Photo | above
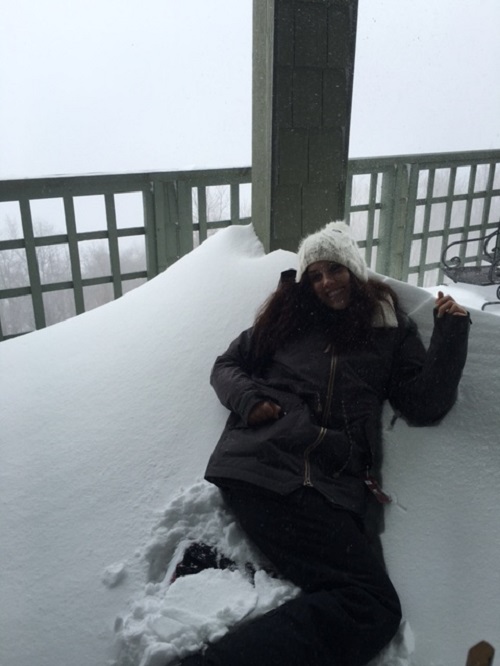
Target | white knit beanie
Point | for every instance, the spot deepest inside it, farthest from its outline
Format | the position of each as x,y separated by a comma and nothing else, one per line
332,243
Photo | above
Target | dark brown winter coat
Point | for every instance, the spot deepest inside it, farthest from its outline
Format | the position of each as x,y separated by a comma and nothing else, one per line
329,433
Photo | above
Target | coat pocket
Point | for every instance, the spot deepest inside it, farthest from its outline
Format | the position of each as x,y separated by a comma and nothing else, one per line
288,441
289,435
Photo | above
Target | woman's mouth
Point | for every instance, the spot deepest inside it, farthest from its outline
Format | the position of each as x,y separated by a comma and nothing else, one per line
336,298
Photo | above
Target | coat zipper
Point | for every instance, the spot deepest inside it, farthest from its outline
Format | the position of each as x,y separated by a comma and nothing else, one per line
324,420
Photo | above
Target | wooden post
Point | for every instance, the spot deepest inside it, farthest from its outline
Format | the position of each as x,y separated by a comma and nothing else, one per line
391,257
480,655
302,90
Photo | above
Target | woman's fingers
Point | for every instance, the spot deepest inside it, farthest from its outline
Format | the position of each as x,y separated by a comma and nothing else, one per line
447,305
263,412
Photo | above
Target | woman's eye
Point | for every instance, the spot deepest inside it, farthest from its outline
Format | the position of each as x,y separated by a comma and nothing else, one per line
315,277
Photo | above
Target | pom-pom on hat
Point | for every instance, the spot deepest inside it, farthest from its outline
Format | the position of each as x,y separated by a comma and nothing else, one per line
332,243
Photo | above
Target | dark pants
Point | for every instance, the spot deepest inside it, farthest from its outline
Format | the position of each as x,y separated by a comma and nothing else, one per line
348,609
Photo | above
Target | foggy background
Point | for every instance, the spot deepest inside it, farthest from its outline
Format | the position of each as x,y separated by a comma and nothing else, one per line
110,86
100,86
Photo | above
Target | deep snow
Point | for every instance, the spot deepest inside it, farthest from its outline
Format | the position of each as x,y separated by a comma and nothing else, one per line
105,417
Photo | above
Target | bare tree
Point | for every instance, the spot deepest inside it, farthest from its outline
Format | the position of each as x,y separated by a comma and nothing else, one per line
218,208
54,266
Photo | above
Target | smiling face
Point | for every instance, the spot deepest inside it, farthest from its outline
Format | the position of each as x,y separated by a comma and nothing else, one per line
331,283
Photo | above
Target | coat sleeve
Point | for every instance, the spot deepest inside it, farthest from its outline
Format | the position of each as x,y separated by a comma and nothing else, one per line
231,377
423,386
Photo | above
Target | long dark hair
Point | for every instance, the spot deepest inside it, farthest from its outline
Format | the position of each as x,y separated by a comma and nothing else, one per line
294,309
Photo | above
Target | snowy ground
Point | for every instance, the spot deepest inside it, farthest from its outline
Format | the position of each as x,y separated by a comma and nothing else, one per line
106,417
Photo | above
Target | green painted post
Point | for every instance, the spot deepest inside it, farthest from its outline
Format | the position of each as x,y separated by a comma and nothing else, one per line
388,205
114,252
235,203
202,213
370,227
31,258
393,221
404,222
262,104
468,211
166,223
447,216
74,254
431,175
185,212
148,206
487,197
302,81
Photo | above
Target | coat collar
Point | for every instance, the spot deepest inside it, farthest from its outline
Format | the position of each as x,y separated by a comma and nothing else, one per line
385,314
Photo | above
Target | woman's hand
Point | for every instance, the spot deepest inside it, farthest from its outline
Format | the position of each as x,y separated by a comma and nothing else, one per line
446,305
263,412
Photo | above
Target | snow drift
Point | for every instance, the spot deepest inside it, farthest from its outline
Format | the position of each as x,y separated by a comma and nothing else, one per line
106,416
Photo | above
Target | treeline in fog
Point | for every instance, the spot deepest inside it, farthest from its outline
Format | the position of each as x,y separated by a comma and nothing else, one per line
16,313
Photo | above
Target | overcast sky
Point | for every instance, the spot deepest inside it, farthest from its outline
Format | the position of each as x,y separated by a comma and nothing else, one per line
92,86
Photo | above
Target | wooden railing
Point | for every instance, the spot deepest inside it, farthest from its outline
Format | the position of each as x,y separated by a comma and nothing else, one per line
71,243
406,209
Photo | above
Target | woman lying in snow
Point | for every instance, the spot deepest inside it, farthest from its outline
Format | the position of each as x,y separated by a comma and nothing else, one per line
297,460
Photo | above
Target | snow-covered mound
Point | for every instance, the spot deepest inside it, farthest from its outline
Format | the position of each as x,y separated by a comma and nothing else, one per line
106,416
174,619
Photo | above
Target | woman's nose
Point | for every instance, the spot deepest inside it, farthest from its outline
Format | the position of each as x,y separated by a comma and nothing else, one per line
327,279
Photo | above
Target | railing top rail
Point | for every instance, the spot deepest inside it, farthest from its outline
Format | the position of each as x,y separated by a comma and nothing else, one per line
430,160
54,186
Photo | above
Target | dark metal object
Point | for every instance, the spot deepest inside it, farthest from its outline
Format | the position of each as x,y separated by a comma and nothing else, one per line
487,273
